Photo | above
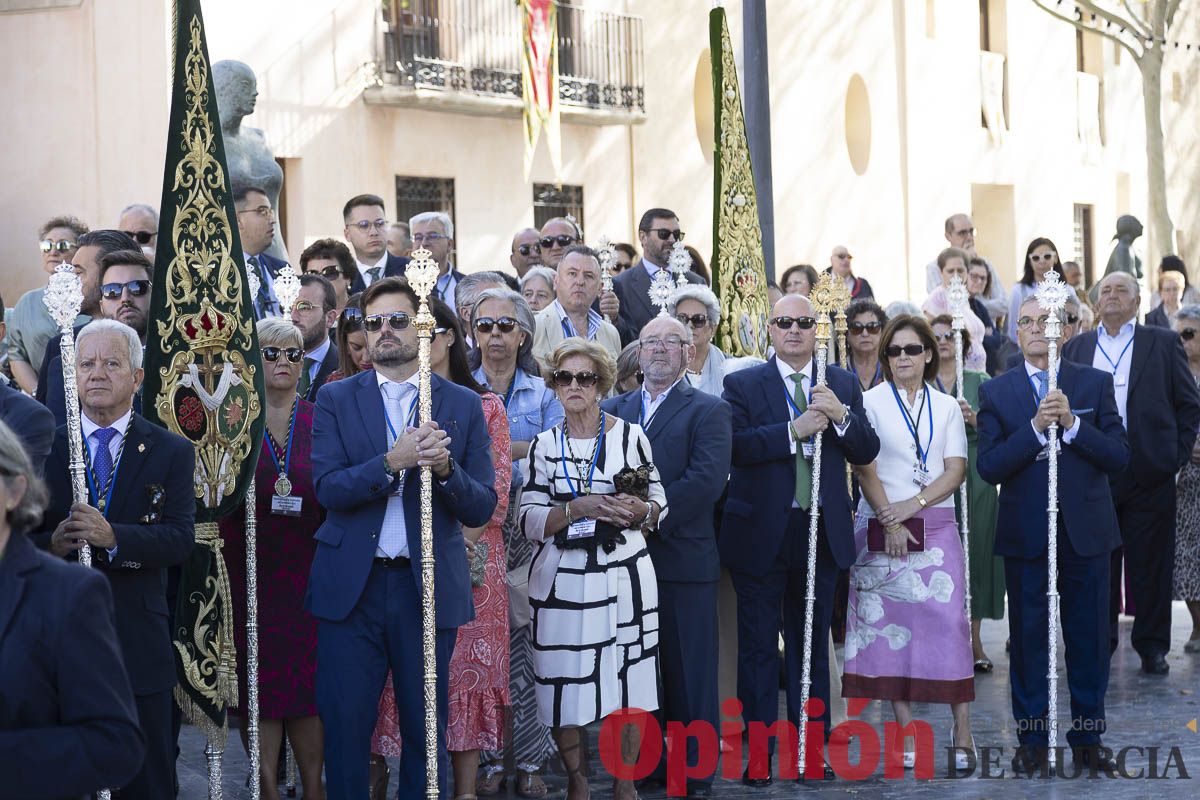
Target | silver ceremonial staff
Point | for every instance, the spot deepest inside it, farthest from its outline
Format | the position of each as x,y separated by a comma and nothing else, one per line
1052,296
959,299
823,300
422,274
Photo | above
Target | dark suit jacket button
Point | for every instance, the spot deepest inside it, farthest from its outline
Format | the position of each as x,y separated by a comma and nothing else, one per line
374,487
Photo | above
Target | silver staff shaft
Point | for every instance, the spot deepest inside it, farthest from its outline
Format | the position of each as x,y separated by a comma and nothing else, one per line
252,638
428,615
1052,552
964,494
810,596
79,490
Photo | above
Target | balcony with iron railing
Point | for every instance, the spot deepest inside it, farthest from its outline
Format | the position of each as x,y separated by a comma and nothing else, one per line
465,56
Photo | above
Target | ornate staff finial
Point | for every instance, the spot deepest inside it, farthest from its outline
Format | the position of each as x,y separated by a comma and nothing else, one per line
607,257
287,288
253,282
679,263
64,295
959,299
662,289
1052,296
824,299
422,274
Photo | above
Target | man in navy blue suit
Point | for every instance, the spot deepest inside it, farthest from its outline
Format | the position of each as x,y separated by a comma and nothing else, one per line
690,436
365,584
764,533
366,231
256,228
1160,407
140,521
1015,411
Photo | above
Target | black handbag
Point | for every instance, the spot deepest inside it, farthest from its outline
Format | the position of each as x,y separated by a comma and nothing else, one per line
630,480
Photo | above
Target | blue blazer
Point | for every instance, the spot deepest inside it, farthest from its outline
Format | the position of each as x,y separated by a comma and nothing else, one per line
68,723
1157,317
349,444
762,486
1008,450
1163,407
393,269
31,421
327,368
691,441
153,456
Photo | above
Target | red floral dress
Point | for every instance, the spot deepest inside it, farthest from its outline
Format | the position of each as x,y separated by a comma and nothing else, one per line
479,667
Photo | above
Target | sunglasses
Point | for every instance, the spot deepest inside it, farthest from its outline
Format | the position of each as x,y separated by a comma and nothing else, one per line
894,350
695,320
666,233
1187,334
330,271
786,323
61,246
526,249
562,240
294,354
505,324
1047,257
351,318
141,237
397,321
111,291
865,327
562,378
944,337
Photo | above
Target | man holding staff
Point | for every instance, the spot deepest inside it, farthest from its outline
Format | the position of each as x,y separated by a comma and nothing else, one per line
1016,410
777,412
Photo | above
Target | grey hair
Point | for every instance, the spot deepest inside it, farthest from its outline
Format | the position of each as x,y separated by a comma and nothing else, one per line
99,326
702,295
1191,311
525,360
467,290
902,307
145,209
545,273
14,463
279,332
440,217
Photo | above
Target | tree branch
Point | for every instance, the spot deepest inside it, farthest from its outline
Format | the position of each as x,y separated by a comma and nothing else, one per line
1090,7
1137,55
1138,24
1171,9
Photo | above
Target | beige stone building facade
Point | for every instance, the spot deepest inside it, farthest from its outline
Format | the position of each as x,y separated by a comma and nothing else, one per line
886,116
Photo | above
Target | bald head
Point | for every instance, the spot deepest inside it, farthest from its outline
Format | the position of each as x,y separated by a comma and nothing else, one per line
526,251
664,353
840,260
792,305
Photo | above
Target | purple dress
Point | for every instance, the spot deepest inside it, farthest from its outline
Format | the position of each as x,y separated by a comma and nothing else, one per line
287,634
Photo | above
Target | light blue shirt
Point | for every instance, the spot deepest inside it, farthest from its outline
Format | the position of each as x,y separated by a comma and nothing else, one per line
318,357
568,327
651,269
1114,355
447,287
532,408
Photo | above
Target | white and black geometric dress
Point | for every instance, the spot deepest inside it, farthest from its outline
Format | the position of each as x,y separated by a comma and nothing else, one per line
595,613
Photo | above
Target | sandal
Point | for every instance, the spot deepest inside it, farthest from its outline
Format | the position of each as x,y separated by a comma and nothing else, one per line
530,785
492,781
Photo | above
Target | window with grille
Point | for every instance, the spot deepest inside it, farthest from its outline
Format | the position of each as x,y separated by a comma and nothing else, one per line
551,201
415,195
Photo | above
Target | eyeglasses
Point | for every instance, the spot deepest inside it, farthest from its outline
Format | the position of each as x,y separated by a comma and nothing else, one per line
695,320
505,324
1187,334
351,319
61,246
865,327
1072,319
562,240
294,354
141,237
845,256
418,238
1044,257
365,225
397,321
895,350
440,331
304,306
526,249
786,323
112,291
562,378
330,271
1027,321
948,336
655,343
666,233
263,211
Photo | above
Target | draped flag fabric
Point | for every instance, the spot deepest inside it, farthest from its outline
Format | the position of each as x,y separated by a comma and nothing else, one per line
204,377
739,277
539,80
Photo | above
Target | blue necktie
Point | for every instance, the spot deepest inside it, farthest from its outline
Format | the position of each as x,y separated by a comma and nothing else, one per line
1043,384
102,463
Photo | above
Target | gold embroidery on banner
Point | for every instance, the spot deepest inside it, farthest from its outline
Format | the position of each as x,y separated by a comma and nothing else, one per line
742,276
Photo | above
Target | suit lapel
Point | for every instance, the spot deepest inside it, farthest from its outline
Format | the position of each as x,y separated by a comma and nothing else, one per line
1087,349
370,406
136,450
18,560
678,398
773,391
640,282
1143,346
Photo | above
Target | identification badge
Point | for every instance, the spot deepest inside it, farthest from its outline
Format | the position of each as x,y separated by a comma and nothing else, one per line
581,529
1044,453
921,475
1119,380
808,449
286,506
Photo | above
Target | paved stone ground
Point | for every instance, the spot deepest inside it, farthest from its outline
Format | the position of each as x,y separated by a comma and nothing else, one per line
1143,711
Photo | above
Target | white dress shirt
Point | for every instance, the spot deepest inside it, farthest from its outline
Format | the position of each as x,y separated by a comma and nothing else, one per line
447,287
1069,434
1114,355
89,429
366,276
393,533
650,407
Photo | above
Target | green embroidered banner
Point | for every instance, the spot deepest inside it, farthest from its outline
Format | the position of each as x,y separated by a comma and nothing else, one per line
203,366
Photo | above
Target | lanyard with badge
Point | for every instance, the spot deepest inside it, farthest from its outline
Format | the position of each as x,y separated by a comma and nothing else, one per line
283,502
582,528
920,466
806,446
409,421
102,495
1118,380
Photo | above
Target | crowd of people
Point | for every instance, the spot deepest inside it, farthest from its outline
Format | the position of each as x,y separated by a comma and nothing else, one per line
606,481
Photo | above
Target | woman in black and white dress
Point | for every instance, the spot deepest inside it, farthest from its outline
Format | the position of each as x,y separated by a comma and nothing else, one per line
592,587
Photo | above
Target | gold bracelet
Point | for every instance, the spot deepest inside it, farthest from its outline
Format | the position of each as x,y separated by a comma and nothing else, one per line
567,511
921,499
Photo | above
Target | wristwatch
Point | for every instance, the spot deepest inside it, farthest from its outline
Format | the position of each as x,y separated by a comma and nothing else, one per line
846,416
921,499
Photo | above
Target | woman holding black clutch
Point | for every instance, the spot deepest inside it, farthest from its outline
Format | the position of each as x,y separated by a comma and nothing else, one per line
592,496
907,634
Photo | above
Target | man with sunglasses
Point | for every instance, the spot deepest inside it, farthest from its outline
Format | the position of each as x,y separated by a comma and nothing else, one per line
1160,408
558,233
690,435
256,228
365,229
140,223
658,231
332,260
314,314
526,251
1014,413
777,412
365,584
